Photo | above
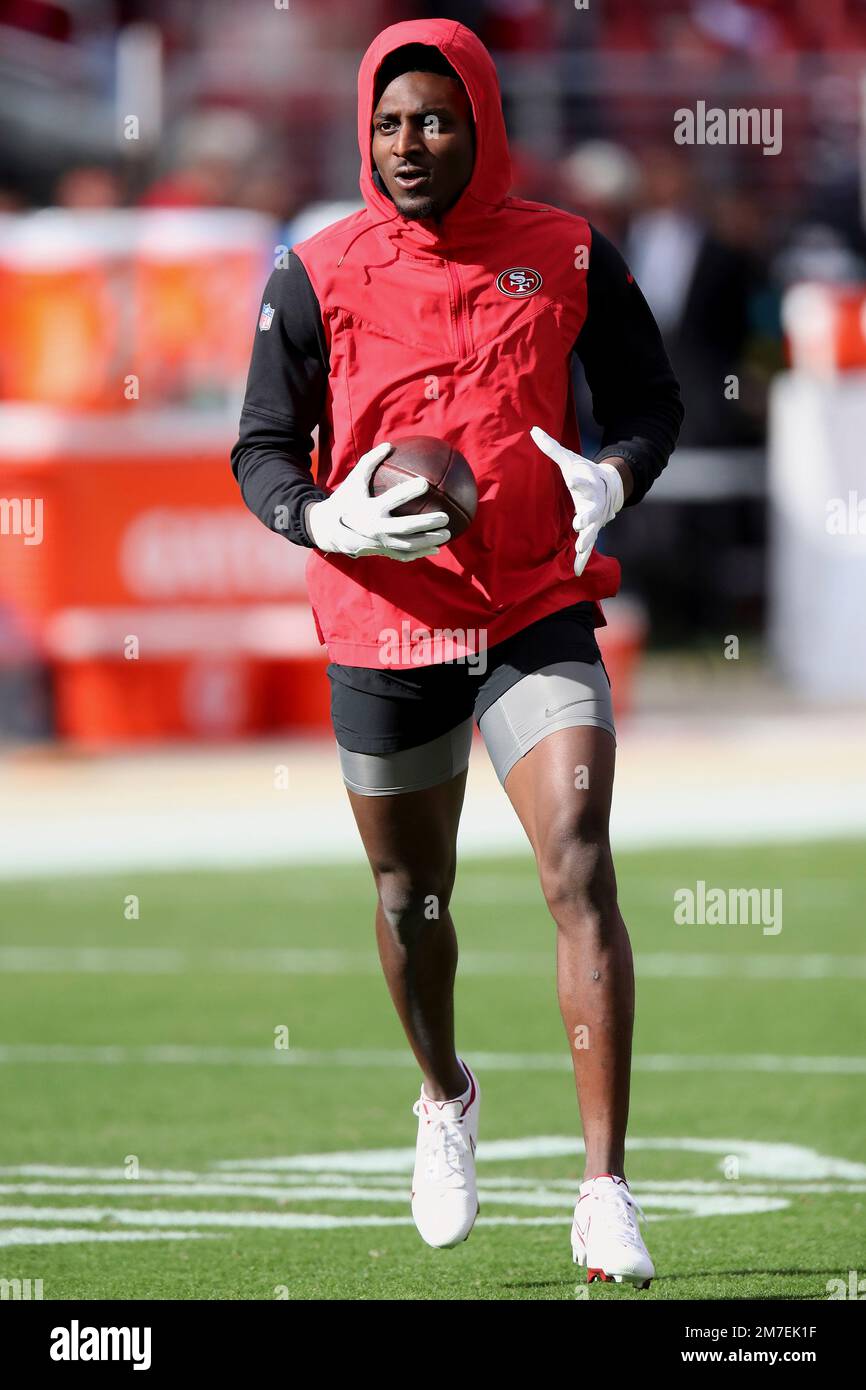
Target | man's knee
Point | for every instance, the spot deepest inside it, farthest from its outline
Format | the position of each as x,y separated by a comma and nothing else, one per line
414,898
576,870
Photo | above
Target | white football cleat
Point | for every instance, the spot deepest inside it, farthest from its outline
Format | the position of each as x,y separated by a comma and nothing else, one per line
444,1194
604,1234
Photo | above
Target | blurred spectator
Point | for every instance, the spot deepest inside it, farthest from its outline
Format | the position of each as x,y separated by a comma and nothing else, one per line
601,181
275,186
818,252
89,186
700,281
735,27
755,28
212,153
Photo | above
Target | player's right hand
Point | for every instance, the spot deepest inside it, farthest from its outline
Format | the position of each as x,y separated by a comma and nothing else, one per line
351,522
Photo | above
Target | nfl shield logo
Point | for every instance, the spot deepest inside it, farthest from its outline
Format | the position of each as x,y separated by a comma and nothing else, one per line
266,317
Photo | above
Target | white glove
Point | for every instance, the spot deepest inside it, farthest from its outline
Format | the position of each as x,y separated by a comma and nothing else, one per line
596,490
351,522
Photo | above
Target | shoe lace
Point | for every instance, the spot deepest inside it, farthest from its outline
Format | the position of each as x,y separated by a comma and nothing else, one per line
444,1147
621,1212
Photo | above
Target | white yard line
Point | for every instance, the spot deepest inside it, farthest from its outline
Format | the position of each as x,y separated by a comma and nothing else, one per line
344,1192
14,1054
65,1235
333,1187
158,960
317,1221
756,1158
509,1191
382,1176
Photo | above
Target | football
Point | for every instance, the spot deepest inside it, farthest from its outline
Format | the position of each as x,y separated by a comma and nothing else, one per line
452,486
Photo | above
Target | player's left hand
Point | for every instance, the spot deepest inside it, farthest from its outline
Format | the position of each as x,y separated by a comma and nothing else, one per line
596,490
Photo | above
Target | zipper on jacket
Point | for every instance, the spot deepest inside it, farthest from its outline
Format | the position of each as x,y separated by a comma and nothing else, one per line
457,301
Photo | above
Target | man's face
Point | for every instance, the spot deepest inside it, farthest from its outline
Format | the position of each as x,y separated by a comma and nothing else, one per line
424,142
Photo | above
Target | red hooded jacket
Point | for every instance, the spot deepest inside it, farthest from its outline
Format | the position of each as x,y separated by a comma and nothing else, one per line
428,334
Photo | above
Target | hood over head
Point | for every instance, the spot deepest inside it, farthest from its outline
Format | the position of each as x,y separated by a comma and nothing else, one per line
491,177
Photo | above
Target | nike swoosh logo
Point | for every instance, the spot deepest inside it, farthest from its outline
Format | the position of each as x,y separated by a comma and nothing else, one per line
472,1142
555,709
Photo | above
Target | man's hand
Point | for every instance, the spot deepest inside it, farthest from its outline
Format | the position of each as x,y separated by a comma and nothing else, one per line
596,490
351,522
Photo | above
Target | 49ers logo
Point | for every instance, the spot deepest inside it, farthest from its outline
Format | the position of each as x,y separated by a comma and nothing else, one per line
518,282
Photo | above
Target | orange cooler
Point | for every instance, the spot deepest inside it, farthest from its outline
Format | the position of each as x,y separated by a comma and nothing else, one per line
198,279
143,534
64,307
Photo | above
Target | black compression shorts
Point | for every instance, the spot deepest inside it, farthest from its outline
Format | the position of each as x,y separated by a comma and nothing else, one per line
375,710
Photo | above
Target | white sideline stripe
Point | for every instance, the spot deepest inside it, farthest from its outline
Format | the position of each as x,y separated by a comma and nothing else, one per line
156,960
68,1235
225,810
117,1055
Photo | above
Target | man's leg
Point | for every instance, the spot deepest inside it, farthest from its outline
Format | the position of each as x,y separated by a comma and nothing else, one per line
411,843
561,790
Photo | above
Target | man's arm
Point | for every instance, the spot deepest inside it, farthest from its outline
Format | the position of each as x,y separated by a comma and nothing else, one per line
635,395
284,401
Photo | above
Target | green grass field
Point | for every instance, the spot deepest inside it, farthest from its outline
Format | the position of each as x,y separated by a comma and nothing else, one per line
148,1045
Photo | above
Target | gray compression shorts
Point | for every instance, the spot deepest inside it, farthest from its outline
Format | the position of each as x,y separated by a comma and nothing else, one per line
557,696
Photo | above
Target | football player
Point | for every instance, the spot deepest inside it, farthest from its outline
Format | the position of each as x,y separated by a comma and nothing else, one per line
447,307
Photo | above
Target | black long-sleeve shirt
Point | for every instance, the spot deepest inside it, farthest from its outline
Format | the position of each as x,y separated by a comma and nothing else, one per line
635,395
